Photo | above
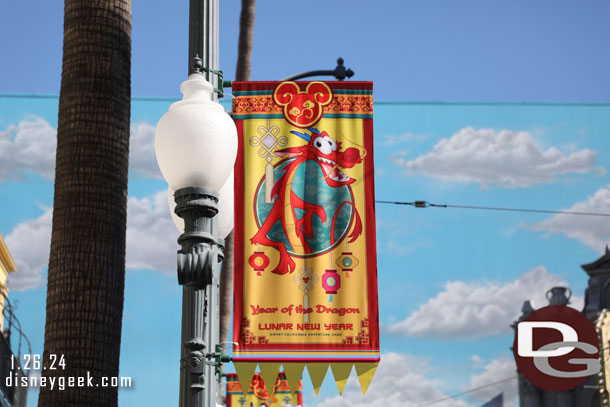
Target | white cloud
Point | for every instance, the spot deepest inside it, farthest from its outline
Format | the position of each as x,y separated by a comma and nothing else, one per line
593,231
476,360
30,243
28,147
496,370
151,234
400,380
505,158
475,309
142,159
151,242
405,380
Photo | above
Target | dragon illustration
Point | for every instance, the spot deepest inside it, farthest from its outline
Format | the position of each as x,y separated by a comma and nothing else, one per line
325,152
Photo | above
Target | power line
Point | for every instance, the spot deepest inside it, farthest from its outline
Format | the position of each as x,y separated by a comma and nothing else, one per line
425,204
429,403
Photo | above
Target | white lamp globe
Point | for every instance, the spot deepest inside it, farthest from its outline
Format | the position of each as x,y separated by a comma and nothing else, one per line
225,208
196,141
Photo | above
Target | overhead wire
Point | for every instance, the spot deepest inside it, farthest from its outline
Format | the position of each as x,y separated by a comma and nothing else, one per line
426,204
9,314
474,389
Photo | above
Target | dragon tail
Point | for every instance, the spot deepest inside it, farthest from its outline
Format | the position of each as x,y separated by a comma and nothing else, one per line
356,230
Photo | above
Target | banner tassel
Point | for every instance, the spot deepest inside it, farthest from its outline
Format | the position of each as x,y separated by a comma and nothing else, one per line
365,372
268,181
294,372
269,373
341,372
306,306
317,372
245,372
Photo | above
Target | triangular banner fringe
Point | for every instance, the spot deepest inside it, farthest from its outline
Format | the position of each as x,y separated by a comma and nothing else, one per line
269,373
317,372
245,372
294,372
341,372
365,371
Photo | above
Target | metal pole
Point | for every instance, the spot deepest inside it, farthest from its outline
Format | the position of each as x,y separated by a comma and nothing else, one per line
195,35
203,39
198,260
198,274
211,45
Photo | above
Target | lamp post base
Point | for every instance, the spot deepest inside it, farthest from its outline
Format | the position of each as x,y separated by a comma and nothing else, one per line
198,274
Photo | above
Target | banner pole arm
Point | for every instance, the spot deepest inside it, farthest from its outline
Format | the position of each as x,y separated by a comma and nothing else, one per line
340,73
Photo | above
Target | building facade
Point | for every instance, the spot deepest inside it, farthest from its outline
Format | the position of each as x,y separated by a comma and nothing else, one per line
9,396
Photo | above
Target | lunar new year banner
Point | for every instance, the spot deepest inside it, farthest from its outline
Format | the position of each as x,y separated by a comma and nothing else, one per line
305,254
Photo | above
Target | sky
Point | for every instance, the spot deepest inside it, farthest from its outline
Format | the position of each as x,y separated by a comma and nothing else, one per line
451,280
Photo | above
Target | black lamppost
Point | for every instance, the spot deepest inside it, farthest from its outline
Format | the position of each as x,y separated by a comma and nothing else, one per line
196,147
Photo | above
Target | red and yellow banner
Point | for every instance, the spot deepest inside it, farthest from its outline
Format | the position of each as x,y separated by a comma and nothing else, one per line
305,255
257,394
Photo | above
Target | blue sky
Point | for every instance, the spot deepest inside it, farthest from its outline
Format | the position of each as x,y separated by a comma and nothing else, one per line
467,271
548,50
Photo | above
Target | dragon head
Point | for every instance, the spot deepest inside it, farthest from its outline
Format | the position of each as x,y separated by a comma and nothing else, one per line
327,153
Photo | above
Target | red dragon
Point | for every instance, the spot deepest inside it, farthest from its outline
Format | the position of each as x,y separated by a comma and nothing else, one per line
327,153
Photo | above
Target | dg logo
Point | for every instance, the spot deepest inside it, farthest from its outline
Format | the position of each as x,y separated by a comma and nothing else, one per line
556,348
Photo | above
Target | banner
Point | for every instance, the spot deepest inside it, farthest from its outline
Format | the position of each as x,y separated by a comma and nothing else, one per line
305,252
257,395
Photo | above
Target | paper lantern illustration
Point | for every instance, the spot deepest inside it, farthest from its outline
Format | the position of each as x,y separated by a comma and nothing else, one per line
331,282
258,261
347,262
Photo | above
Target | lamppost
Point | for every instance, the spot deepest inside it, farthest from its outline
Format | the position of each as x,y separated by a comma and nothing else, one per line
196,147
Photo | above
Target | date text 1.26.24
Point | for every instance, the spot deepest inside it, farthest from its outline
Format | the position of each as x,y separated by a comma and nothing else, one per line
35,362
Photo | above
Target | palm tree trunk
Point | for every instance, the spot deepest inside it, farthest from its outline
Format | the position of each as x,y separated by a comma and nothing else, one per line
242,73
87,262
246,35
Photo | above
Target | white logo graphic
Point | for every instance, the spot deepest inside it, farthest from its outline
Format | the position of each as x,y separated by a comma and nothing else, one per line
525,335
